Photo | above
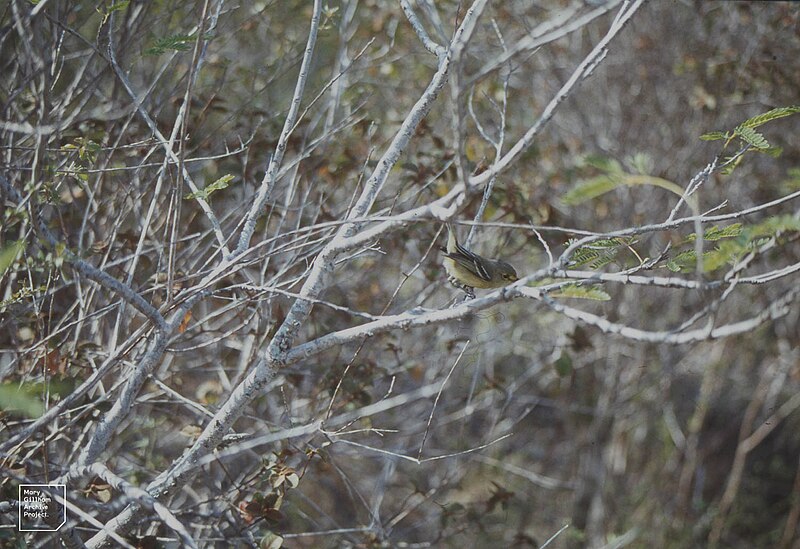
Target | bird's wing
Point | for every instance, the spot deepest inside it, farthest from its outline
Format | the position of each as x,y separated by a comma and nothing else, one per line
470,261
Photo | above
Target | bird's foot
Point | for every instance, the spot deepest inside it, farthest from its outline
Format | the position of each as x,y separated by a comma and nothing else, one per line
469,290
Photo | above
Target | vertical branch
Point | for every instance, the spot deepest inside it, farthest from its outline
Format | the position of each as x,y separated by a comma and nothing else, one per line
458,110
271,175
177,189
497,143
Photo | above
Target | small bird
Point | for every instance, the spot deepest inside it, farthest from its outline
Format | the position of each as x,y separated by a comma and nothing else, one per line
468,270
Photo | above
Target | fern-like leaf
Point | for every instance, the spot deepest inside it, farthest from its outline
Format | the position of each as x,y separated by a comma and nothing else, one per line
175,42
713,136
205,192
769,116
752,137
575,291
600,253
718,233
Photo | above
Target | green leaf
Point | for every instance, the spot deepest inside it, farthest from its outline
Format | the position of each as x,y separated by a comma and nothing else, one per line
749,135
713,136
600,253
88,150
725,254
574,291
18,399
642,163
615,176
205,192
714,259
595,259
681,262
775,225
734,241
591,188
9,254
117,6
746,132
769,116
774,152
563,365
603,163
718,233
176,42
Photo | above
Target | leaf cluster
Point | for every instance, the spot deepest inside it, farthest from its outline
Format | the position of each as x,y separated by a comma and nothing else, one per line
735,241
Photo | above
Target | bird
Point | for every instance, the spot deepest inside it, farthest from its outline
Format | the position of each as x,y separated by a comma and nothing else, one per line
468,270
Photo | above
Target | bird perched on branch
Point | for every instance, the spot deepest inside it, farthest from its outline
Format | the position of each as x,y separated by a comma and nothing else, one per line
468,270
